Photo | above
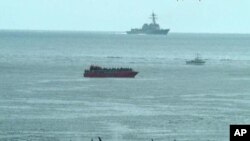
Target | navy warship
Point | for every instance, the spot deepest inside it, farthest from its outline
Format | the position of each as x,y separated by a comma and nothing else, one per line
152,28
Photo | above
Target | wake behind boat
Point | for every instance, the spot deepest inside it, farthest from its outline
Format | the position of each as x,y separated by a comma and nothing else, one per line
97,71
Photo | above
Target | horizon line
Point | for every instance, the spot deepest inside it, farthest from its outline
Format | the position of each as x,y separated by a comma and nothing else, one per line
106,31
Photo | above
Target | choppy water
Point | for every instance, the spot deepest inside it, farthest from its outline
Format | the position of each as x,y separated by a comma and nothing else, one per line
44,97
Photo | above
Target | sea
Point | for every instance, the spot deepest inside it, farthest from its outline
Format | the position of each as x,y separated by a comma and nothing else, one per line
44,96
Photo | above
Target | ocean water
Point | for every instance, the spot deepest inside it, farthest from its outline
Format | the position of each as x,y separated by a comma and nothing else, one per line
43,96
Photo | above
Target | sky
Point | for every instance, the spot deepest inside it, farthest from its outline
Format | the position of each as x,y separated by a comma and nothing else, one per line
188,16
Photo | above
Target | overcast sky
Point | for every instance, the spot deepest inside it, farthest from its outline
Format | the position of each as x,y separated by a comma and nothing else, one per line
211,16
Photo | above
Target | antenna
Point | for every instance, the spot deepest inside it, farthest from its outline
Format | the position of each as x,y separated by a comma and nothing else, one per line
153,17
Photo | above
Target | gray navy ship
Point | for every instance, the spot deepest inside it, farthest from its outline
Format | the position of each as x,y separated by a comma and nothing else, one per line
152,28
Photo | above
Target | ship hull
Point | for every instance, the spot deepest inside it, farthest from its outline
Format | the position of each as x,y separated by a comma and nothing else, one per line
153,32
122,74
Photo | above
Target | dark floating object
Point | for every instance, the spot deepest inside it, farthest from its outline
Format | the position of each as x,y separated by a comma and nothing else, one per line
196,61
97,71
99,138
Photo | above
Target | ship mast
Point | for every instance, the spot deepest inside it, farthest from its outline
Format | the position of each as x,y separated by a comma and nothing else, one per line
153,17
